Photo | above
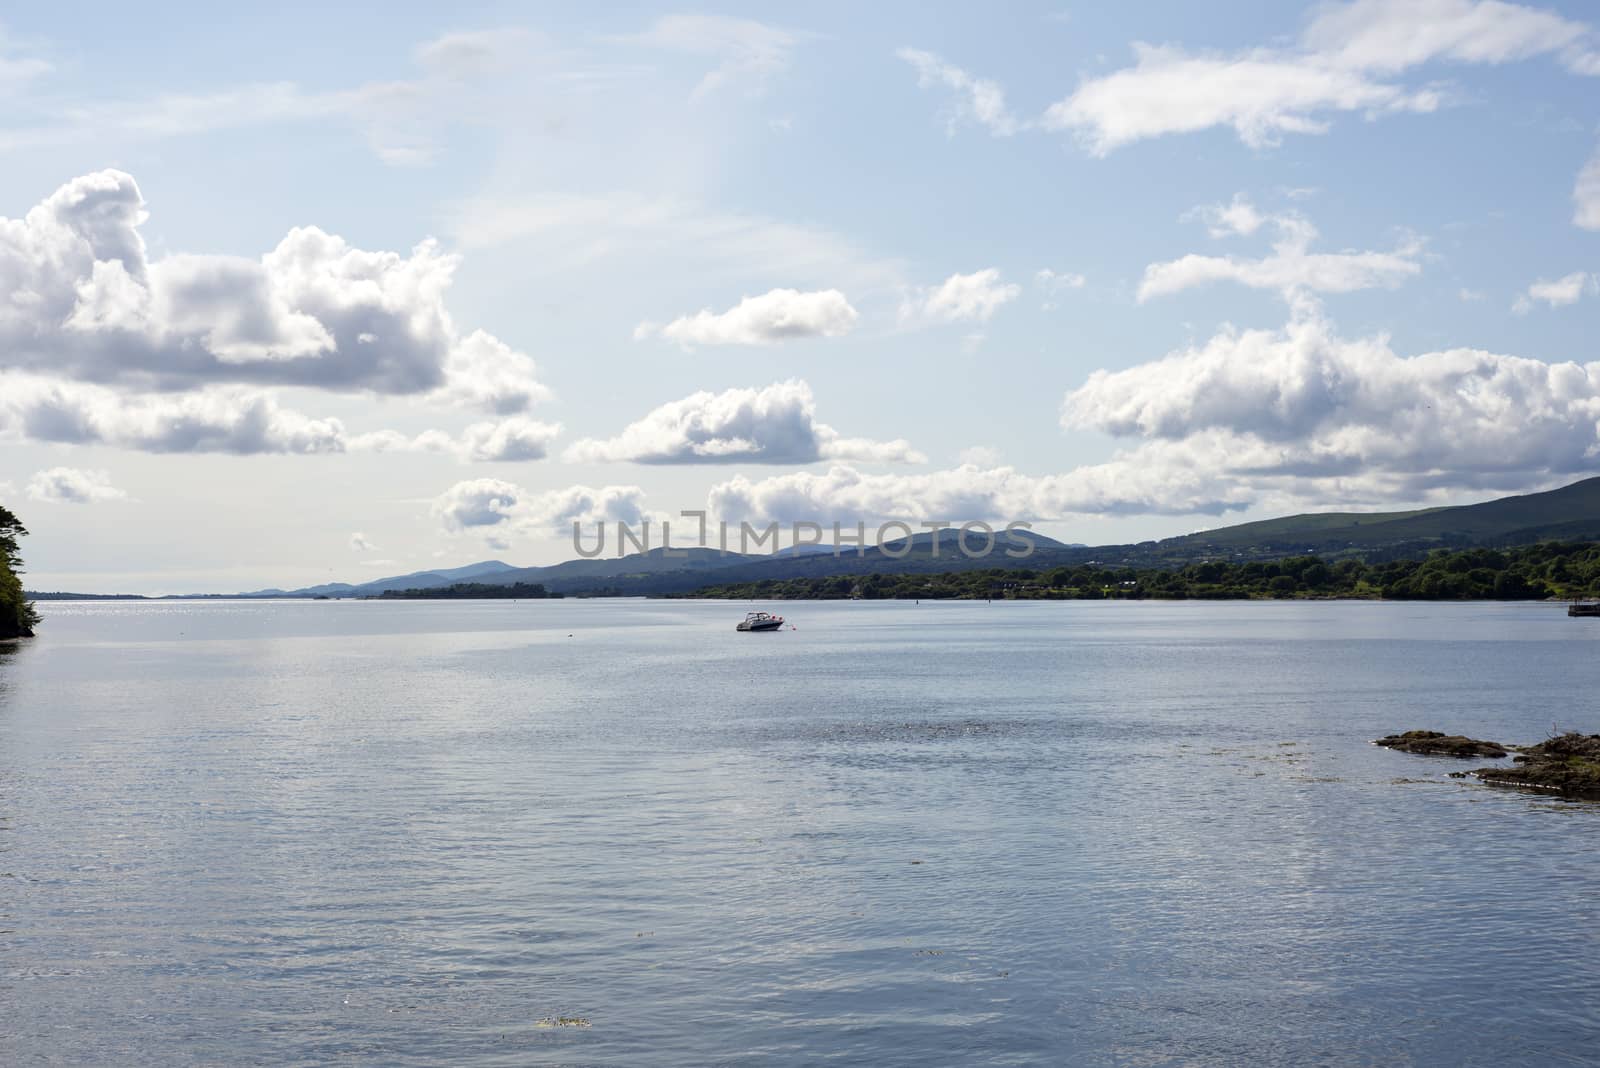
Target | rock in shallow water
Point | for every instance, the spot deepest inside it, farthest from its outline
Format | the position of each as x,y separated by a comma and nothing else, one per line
1569,765
1436,743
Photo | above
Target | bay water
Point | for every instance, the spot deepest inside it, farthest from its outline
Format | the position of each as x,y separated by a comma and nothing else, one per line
618,832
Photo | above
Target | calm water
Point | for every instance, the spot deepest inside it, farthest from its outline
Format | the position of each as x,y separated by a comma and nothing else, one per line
1130,834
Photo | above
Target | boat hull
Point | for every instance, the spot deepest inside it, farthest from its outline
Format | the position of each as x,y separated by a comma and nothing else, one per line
763,625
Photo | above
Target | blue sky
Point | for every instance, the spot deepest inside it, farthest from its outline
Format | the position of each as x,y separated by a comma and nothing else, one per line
1119,271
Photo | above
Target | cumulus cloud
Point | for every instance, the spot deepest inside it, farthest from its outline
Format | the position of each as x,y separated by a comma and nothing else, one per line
773,425
1559,293
515,439
70,485
1586,195
977,99
1053,284
1350,419
1282,419
230,419
961,297
82,299
225,419
490,504
1291,267
1131,483
1348,60
778,315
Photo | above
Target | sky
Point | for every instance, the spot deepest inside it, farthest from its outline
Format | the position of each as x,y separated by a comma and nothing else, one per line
331,292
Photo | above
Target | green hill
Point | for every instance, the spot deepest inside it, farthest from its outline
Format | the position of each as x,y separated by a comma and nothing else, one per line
1571,513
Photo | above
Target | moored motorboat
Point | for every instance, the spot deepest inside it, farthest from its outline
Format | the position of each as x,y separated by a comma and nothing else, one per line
760,621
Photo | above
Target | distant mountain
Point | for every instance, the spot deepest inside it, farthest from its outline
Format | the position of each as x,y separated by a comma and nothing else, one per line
653,574
417,580
660,571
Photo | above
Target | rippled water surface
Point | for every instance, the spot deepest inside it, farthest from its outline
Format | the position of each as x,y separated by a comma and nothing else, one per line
618,832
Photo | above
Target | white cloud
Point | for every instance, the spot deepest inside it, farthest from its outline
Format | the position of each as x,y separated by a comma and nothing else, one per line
478,502
230,419
773,425
1563,291
960,298
360,543
1236,219
70,485
1132,483
1347,419
509,440
1260,94
978,99
482,371
749,52
81,298
1378,35
1290,267
1054,284
1586,195
779,315
225,419
1284,419
492,504
1346,61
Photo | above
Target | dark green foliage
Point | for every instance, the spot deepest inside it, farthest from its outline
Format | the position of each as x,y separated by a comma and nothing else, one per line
1535,572
472,591
17,615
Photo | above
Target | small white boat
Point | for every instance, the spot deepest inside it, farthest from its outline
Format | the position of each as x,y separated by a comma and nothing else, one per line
760,621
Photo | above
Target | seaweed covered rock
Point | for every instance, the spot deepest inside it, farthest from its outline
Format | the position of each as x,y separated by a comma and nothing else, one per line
1436,743
1569,765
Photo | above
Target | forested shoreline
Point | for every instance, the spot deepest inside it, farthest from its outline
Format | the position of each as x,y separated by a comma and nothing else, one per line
1534,572
471,591
17,615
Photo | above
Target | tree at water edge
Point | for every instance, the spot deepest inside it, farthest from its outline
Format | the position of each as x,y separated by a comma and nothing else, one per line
17,615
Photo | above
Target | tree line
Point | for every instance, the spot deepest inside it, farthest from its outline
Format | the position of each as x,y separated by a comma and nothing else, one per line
17,615
1533,572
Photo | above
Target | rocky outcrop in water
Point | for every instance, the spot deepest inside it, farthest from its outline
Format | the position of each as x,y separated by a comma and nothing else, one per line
1568,765
1436,743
